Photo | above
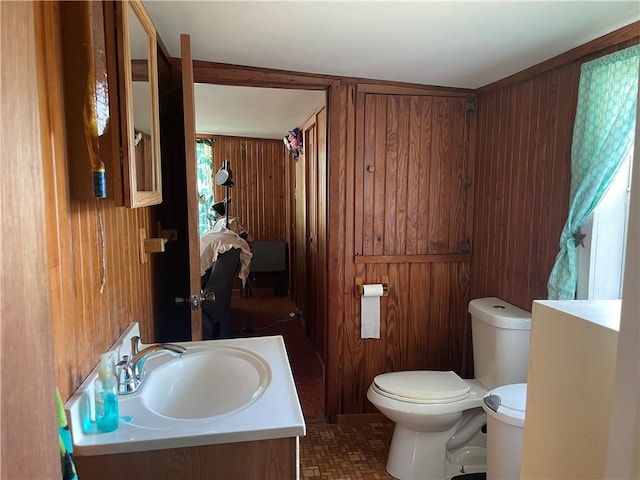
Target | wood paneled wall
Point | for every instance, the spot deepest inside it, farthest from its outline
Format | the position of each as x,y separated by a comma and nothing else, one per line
260,197
523,174
97,283
415,156
422,326
411,219
29,444
419,330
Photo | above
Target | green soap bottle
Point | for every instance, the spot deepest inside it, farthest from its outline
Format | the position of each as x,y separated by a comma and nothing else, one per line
106,391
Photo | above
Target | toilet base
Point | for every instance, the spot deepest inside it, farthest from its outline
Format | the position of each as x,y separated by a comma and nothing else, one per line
417,455
475,463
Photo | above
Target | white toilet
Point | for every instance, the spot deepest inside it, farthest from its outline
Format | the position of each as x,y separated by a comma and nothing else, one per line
438,415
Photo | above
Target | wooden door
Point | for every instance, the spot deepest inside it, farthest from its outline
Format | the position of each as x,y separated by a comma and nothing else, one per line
414,199
300,236
311,229
411,229
321,229
173,269
188,100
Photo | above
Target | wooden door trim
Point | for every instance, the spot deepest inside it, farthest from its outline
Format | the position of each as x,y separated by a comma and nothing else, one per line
192,195
309,133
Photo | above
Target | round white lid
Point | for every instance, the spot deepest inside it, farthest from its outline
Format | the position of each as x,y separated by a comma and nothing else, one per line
424,385
512,403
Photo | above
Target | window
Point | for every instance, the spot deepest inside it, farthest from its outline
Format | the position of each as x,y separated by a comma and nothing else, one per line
601,261
603,137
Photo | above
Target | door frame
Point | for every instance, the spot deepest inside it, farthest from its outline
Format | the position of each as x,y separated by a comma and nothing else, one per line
222,74
188,102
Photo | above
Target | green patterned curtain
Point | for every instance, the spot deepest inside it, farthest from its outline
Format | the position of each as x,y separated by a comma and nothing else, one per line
603,134
204,158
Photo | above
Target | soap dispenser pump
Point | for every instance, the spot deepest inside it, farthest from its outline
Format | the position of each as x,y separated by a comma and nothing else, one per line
106,396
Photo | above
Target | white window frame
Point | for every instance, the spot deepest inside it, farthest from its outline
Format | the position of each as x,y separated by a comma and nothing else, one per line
601,262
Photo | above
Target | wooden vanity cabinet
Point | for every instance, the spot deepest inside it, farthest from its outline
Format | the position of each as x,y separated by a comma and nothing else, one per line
275,459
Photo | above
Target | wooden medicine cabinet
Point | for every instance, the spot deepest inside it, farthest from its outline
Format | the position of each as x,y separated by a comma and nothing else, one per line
137,101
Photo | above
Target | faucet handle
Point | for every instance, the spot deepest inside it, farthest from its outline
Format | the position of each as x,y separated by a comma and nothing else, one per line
135,345
126,377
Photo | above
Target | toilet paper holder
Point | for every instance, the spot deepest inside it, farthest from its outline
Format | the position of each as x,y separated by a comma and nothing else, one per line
360,285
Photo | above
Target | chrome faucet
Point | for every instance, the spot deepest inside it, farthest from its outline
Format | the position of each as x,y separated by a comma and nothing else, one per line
132,373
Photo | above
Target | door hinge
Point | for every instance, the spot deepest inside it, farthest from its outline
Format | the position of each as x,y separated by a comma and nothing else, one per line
467,182
465,246
471,104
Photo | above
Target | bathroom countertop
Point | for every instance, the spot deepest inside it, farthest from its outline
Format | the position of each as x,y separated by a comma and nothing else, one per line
605,313
275,414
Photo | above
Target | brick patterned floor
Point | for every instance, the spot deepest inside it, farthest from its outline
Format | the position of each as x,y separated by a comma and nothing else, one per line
345,452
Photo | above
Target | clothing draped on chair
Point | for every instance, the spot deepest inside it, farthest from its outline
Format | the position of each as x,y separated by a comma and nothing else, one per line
603,135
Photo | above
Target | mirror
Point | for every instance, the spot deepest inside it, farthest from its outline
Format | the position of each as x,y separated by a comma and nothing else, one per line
140,122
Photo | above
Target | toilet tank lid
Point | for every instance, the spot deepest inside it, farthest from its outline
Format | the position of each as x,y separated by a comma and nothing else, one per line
497,312
427,386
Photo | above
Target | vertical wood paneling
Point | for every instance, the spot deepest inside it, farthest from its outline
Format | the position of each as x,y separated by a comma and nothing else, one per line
429,330
88,317
310,268
460,167
415,157
341,211
261,175
523,174
522,184
423,323
321,304
413,176
415,153
29,445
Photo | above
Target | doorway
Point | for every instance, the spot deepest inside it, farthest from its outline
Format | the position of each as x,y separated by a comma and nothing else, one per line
246,126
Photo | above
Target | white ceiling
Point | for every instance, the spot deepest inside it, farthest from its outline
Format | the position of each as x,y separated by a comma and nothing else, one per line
465,44
253,112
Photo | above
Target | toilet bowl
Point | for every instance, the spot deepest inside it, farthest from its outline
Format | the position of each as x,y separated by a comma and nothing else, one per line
427,407
437,414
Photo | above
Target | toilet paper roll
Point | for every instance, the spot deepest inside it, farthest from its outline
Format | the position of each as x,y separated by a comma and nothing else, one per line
370,310
374,290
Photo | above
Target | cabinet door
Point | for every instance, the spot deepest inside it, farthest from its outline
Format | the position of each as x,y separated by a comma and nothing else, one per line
414,162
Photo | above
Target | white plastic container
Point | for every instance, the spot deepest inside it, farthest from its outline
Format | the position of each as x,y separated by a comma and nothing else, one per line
505,425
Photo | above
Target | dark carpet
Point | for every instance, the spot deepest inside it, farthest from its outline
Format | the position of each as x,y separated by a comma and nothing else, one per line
270,315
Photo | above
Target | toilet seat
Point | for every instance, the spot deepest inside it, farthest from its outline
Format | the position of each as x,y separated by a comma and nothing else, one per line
422,386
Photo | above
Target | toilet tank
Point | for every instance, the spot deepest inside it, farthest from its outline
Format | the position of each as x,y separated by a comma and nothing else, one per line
500,333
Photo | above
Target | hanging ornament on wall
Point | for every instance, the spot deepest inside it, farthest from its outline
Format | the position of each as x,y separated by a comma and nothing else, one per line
293,142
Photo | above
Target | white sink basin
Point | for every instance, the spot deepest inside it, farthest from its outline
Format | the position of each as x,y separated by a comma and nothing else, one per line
204,384
220,391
